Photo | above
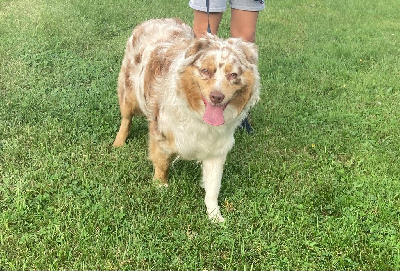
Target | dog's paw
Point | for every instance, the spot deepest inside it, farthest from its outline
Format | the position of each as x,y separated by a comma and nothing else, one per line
201,182
215,216
160,184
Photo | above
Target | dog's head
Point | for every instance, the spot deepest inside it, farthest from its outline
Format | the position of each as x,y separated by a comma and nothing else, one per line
219,78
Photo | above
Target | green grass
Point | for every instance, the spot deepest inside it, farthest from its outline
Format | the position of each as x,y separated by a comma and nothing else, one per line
316,188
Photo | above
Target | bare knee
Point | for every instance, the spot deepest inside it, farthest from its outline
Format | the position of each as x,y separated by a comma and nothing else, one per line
248,35
243,24
201,20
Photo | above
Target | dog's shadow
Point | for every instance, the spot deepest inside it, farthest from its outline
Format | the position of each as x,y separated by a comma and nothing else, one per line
139,129
241,155
236,165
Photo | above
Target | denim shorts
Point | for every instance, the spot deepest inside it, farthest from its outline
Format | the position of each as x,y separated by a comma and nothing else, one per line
220,5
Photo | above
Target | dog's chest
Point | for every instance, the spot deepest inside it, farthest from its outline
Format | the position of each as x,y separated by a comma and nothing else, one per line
193,139
201,146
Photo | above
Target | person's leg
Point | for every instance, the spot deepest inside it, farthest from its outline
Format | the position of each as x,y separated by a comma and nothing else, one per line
201,20
216,8
243,24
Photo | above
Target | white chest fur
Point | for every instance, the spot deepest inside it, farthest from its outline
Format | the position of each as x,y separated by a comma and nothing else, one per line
193,138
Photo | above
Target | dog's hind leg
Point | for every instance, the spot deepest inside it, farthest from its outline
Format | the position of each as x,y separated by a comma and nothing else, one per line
128,106
123,132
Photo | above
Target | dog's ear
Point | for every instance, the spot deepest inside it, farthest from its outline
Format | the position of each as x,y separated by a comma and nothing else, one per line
249,49
198,45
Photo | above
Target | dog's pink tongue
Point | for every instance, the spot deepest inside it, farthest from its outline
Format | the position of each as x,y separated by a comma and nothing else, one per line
214,114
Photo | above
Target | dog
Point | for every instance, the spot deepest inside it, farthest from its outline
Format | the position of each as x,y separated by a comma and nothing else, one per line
194,94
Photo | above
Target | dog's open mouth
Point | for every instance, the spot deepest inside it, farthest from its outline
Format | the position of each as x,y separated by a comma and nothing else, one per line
214,114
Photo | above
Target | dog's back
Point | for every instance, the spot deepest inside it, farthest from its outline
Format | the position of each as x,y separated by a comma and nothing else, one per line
157,31
149,52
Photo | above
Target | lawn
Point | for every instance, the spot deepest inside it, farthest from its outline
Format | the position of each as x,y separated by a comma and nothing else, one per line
317,187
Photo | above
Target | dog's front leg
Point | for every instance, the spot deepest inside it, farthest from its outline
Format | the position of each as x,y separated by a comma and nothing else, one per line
212,175
159,156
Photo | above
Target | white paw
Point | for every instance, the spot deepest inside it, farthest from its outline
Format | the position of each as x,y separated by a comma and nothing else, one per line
201,182
215,216
160,184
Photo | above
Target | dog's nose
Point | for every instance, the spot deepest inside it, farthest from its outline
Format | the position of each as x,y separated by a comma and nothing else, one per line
216,97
